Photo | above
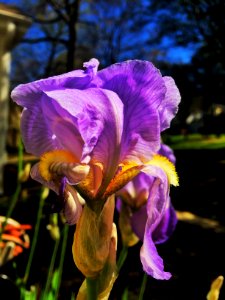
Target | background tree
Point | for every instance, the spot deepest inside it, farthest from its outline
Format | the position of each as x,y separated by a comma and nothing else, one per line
201,25
67,32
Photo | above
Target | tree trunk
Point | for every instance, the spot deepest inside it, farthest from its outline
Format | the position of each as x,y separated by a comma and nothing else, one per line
73,11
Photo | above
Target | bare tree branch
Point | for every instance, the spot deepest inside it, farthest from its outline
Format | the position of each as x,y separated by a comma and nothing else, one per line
44,39
46,21
59,11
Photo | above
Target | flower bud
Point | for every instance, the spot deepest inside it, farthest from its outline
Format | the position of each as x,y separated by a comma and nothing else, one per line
92,239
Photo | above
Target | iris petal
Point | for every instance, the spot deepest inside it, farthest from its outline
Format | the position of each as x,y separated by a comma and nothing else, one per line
156,206
138,222
151,261
141,88
166,226
37,136
169,106
28,94
98,116
168,167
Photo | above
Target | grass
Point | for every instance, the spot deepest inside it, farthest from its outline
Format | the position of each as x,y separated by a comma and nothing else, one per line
195,141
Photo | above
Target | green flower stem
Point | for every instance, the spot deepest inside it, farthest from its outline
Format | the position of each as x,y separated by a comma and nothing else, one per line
122,257
51,268
36,231
62,256
143,286
20,157
92,288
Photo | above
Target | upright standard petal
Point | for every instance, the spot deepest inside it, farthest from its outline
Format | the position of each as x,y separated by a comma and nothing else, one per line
37,136
26,94
169,106
142,89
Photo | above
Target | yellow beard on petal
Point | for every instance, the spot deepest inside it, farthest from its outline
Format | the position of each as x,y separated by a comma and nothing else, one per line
167,166
53,157
125,174
129,170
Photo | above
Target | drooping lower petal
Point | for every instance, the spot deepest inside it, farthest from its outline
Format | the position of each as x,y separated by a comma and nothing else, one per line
69,202
166,226
157,205
138,222
151,261
72,207
35,174
57,164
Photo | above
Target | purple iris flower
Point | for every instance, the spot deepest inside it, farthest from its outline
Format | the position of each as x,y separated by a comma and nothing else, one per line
94,131
90,123
151,215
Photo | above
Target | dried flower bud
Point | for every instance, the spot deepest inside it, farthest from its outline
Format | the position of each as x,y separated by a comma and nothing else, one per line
25,173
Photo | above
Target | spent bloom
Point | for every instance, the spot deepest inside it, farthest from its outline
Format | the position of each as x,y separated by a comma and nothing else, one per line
13,238
146,213
94,131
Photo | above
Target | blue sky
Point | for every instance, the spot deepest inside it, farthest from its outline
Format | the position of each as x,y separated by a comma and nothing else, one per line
173,54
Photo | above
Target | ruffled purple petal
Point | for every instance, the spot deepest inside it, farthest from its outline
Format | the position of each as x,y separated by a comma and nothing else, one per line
169,106
72,207
37,132
26,94
142,89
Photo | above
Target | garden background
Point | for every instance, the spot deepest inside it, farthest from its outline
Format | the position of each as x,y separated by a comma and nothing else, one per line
185,40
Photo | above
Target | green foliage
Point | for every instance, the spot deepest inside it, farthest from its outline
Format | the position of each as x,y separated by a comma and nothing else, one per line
125,294
55,282
195,141
28,294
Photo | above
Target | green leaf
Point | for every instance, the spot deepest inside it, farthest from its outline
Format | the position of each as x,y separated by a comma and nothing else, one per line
55,280
125,294
28,295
